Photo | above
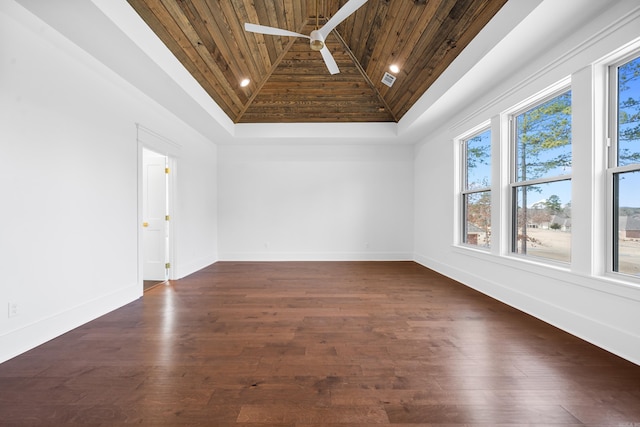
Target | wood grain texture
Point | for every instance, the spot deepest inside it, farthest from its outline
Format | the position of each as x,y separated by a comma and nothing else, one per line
289,81
318,344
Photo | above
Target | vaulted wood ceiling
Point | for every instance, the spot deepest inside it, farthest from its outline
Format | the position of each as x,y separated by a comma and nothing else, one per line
289,83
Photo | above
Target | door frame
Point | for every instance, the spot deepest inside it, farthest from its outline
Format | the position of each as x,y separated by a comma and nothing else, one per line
156,221
147,139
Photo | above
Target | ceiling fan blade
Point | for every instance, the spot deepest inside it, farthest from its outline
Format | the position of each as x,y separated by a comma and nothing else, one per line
342,14
262,29
329,61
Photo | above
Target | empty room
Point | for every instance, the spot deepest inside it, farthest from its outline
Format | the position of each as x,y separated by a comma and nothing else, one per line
320,212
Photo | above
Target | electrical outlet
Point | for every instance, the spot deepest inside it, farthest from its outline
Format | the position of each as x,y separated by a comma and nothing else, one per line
13,309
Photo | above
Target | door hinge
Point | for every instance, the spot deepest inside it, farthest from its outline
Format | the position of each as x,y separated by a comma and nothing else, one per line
167,218
167,170
167,265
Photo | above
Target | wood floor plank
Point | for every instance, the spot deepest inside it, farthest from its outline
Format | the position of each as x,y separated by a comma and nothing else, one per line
283,413
480,414
309,344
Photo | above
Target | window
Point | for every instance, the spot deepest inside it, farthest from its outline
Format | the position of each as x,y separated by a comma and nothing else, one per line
476,190
541,179
624,167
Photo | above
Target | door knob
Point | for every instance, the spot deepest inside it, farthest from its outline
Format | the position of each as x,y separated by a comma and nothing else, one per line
145,224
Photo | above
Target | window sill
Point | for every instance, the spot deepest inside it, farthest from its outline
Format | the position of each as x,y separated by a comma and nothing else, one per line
605,283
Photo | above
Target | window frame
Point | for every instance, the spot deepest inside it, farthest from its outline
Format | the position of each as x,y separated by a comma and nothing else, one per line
612,166
552,92
466,192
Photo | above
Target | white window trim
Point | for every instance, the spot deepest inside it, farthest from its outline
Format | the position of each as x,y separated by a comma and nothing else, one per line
592,269
549,93
461,191
611,154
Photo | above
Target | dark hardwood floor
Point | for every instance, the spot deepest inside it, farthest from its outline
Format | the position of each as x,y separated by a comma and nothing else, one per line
318,344
147,285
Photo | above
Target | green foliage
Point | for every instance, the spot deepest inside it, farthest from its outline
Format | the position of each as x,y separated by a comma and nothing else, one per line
543,148
477,153
629,112
553,204
542,133
625,211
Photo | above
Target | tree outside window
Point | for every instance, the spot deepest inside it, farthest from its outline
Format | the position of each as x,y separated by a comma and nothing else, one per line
542,180
476,190
625,168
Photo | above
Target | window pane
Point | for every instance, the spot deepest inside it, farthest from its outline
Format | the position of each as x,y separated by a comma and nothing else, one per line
627,211
478,161
543,220
629,113
543,140
477,208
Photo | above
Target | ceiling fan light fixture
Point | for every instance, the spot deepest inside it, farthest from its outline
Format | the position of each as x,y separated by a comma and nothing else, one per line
316,41
316,45
318,35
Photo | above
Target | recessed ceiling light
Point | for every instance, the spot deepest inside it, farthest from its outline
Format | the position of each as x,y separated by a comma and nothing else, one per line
245,82
394,68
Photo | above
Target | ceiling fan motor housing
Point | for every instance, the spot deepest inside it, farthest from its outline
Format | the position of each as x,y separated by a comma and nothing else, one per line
317,41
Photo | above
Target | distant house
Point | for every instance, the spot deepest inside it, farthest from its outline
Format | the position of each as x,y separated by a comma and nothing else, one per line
629,226
475,234
562,222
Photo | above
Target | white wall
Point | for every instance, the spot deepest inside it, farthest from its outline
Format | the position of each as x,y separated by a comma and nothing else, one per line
319,202
69,217
578,298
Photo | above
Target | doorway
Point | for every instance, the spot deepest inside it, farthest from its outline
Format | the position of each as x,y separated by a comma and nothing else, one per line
155,219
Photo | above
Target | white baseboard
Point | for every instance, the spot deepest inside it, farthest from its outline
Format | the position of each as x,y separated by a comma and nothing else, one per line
30,336
316,256
615,340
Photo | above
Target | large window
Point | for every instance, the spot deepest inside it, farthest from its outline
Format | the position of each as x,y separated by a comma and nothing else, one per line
624,167
533,157
476,190
541,179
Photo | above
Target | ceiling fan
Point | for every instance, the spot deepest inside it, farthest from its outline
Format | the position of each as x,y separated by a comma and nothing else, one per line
317,36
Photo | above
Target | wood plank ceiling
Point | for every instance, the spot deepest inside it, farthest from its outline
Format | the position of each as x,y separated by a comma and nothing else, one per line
289,83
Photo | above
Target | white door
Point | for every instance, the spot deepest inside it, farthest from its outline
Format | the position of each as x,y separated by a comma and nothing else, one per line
154,213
